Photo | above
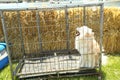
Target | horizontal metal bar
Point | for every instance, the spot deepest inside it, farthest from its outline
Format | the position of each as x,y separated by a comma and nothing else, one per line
18,6
53,72
57,51
62,76
75,75
50,53
84,72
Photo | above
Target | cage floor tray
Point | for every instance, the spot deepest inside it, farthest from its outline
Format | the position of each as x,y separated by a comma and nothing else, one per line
51,65
48,65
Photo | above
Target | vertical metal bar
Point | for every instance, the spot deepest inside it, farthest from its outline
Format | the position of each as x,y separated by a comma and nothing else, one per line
60,29
78,15
67,28
84,15
21,36
38,26
6,40
101,34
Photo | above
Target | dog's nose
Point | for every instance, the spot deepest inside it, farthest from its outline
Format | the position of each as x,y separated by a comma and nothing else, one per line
77,33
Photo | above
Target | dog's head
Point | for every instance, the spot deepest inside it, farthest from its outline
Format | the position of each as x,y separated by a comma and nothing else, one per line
84,31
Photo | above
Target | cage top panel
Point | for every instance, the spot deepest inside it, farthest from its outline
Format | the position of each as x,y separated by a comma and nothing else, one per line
44,5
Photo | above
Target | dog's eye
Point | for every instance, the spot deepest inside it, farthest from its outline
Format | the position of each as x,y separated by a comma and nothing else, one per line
77,33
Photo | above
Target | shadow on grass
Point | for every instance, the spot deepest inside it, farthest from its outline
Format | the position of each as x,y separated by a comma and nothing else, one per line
117,54
92,77
103,75
89,77
74,76
5,75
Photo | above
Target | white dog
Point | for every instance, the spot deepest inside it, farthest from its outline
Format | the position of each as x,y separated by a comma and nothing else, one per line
87,46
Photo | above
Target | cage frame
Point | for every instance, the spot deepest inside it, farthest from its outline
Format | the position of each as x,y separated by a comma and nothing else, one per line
64,6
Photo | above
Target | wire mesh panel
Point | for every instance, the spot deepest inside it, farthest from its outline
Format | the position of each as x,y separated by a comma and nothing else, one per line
55,40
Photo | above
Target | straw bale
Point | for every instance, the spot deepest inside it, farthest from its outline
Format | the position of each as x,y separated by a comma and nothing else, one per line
1,33
53,29
111,30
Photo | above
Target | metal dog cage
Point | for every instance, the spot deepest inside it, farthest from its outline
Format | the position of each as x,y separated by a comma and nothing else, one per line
40,38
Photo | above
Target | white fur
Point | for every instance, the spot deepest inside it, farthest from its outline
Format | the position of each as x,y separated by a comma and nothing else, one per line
86,44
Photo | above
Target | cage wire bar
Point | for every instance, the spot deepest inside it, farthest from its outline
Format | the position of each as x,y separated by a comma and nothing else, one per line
5,35
61,58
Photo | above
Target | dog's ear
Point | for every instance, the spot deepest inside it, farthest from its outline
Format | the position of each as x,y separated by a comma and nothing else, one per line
77,33
87,35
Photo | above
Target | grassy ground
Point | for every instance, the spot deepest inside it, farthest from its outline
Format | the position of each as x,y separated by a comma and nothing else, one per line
111,71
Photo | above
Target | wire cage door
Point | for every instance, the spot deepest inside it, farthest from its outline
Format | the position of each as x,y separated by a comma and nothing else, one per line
54,40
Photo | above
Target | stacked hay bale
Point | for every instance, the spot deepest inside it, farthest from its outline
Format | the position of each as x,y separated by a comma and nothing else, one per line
13,33
111,30
1,32
53,29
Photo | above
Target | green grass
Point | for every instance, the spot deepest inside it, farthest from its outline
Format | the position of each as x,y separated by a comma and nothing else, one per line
5,73
111,71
